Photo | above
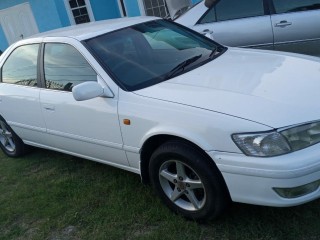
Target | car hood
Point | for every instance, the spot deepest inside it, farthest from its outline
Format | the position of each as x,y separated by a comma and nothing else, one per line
271,88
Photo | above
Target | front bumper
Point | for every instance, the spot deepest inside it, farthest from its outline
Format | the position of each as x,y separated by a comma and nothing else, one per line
252,180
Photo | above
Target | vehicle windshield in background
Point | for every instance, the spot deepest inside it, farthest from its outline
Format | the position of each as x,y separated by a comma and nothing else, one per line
151,52
183,12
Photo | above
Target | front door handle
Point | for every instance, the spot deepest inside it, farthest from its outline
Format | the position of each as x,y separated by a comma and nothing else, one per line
49,107
208,33
283,23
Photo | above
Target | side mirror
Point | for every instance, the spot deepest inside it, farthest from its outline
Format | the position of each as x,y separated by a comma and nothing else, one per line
208,33
90,90
209,3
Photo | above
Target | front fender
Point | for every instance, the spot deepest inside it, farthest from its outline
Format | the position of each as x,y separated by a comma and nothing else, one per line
174,131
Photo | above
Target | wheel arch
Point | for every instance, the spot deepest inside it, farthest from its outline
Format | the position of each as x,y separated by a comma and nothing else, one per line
16,146
153,142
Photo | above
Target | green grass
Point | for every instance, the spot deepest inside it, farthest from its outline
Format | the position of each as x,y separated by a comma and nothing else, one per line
48,195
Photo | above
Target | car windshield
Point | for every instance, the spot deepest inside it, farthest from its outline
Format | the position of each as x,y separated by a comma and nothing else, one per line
148,53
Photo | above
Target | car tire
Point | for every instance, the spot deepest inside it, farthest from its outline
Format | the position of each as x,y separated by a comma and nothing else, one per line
187,181
10,142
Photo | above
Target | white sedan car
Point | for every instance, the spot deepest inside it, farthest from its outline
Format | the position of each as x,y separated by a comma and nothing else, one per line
203,123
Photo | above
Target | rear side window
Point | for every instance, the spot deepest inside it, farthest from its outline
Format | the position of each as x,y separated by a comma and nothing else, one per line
233,9
65,67
21,66
287,6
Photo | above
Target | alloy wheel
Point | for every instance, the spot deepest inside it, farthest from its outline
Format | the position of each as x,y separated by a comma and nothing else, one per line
182,185
6,137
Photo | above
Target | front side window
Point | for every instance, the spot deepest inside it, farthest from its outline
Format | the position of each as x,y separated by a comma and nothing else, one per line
233,9
287,6
148,53
65,67
21,66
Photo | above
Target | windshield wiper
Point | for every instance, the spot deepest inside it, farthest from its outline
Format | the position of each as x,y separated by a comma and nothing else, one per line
181,66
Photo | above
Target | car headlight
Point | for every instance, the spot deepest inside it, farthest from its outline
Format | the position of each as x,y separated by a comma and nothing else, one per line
274,143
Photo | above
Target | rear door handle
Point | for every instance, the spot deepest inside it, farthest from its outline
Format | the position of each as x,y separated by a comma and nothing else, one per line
283,23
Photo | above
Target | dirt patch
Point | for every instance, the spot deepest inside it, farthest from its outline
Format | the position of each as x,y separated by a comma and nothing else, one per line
68,233
142,230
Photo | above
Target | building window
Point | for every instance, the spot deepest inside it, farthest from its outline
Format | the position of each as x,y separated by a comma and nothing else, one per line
156,8
79,11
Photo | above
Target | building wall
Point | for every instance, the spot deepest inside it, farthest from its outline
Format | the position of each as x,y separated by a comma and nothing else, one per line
3,40
45,12
105,9
62,12
132,7
49,14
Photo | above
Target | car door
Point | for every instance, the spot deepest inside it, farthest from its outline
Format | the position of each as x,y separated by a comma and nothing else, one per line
85,128
238,23
296,26
19,93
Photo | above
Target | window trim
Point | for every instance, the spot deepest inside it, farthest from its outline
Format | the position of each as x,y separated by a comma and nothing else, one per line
70,15
274,12
141,8
140,5
267,7
122,8
41,67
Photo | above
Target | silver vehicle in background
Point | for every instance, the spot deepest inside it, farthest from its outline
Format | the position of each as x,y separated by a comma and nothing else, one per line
284,25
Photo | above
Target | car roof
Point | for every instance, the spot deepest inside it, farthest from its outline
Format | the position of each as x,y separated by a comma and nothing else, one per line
92,29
